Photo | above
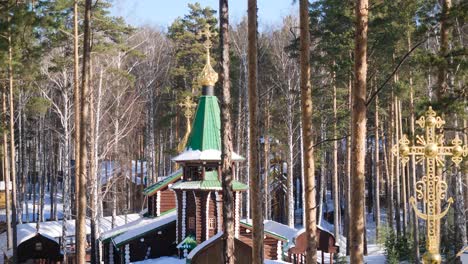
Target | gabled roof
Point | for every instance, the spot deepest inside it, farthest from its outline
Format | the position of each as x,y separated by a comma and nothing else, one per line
247,223
175,176
54,228
145,226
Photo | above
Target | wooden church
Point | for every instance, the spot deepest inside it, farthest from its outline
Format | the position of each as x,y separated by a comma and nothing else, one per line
184,215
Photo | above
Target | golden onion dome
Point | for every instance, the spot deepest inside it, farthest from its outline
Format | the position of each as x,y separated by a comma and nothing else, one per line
208,76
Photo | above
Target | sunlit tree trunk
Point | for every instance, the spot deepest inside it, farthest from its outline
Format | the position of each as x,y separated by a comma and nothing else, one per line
348,174
404,195
6,174
14,204
306,108
67,198
358,136
84,137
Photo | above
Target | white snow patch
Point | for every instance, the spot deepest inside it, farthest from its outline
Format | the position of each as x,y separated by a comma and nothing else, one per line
270,261
110,169
280,229
162,260
54,228
210,154
145,225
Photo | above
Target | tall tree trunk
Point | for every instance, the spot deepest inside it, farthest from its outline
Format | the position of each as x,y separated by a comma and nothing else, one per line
404,195
266,162
14,216
441,86
336,194
254,166
322,186
93,179
226,161
358,135
20,181
397,200
391,171
306,107
301,139
460,236
465,170
348,173
414,218
84,137
290,164
67,179
377,169
6,175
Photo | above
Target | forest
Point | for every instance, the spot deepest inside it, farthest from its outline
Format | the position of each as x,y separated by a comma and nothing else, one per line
94,109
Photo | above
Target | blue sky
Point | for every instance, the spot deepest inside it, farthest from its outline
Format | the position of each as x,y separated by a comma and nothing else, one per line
163,12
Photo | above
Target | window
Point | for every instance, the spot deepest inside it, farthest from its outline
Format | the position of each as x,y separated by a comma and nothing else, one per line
212,223
191,223
38,246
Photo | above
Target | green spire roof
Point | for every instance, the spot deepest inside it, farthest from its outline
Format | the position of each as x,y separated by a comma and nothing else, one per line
206,125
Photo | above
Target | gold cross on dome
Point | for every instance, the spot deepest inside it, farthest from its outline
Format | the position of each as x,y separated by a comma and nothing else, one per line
431,188
205,35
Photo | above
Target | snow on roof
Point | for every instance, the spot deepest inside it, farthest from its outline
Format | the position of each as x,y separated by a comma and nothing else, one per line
120,220
280,229
322,229
2,186
144,226
248,223
270,261
53,229
210,154
110,233
109,169
204,244
162,260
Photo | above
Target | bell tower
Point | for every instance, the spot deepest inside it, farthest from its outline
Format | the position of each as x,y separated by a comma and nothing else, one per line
199,193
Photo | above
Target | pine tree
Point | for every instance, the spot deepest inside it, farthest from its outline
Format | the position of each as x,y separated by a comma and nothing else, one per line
306,107
227,169
358,136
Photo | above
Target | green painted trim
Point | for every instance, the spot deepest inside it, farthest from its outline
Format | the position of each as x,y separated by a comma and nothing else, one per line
151,190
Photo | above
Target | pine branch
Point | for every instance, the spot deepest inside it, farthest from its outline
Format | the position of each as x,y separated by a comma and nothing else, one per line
394,71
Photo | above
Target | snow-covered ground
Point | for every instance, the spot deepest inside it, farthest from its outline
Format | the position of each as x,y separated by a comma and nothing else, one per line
47,207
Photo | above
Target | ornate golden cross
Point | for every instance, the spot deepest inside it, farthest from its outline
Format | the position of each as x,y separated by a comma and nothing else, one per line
431,189
188,105
208,76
